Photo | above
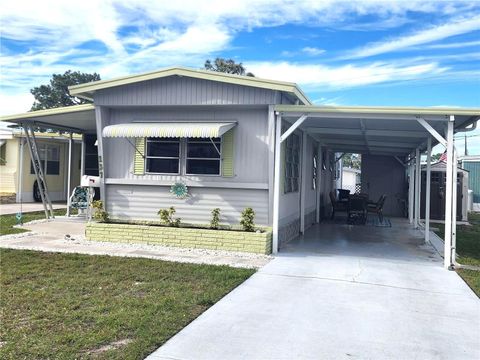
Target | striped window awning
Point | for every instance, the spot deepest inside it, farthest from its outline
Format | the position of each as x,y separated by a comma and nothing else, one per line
169,130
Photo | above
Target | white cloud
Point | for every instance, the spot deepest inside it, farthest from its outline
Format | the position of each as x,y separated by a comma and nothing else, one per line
344,76
454,45
431,34
312,51
15,103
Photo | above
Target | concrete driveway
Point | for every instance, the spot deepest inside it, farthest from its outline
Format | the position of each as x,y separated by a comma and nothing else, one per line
341,292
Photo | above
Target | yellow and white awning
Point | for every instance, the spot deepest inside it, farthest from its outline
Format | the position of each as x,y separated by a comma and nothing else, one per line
169,129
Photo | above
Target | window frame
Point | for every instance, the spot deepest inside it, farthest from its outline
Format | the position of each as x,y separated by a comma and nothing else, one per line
292,144
186,158
146,157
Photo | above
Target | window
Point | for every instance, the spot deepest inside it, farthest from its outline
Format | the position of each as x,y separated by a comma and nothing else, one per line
203,156
49,159
3,154
163,156
292,163
314,168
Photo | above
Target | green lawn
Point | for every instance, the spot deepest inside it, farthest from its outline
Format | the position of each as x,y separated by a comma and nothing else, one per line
8,221
67,306
468,249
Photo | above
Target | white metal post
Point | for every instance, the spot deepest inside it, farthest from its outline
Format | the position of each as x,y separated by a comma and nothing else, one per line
427,190
276,185
69,176
319,180
449,195
82,157
304,185
410,190
418,170
20,172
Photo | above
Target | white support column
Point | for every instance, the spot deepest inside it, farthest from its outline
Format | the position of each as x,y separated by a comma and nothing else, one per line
449,195
82,157
411,181
69,176
304,183
20,172
276,185
319,180
100,117
427,190
418,170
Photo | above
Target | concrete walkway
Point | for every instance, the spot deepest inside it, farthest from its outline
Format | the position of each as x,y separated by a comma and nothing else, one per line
27,207
51,237
341,292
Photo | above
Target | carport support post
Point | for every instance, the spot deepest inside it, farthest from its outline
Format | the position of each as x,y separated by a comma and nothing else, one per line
319,179
454,205
449,195
418,169
69,176
427,190
410,190
303,187
82,157
276,183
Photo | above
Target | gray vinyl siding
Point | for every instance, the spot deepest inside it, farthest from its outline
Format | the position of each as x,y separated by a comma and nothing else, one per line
143,202
175,90
250,142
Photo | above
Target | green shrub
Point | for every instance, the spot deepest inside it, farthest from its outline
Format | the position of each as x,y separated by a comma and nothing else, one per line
166,217
99,214
247,219
215,223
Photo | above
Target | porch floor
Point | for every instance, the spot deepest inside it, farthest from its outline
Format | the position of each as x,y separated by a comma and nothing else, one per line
341,292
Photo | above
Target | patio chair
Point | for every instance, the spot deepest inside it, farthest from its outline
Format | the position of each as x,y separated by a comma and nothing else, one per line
377,208
81,198
337,205
357,210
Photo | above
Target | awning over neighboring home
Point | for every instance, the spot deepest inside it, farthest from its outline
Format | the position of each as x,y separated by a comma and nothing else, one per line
169,129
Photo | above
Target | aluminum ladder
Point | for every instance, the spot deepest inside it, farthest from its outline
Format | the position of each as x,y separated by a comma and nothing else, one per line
36,162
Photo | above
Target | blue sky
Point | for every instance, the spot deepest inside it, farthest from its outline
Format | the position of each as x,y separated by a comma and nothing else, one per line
406,53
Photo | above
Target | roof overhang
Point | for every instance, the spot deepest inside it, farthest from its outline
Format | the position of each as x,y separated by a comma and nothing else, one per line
87,90
394,131
78,119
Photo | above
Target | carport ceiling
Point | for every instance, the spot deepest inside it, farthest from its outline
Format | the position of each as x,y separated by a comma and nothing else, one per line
374,130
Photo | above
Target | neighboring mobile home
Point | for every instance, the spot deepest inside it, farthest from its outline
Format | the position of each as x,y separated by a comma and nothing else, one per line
239,142
16,160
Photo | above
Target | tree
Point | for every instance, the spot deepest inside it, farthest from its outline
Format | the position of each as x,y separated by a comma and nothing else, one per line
352,161
56,93
227,66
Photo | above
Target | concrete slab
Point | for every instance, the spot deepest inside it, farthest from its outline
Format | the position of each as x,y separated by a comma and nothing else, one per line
341,292
6,209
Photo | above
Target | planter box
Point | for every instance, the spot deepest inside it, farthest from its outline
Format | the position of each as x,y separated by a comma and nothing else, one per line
259,243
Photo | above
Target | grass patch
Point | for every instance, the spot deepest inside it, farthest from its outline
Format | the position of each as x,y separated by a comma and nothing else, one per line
79,306
468,249
8,221
472,278
468,240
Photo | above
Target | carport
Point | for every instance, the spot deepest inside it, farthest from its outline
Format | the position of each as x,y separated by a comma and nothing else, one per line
403,134
78,119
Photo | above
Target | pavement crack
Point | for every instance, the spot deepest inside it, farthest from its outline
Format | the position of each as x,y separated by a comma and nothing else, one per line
357,283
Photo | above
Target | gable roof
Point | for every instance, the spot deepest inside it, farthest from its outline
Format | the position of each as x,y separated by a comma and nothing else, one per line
88,89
